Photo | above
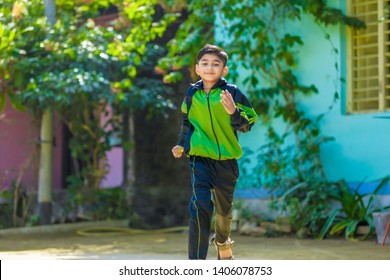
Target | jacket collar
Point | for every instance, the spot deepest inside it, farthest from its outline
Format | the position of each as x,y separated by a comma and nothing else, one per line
199,84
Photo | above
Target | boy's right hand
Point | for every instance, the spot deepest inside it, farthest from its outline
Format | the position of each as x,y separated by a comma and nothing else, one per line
177,151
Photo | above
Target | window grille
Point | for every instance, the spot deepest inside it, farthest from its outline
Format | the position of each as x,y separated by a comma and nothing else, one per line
369,57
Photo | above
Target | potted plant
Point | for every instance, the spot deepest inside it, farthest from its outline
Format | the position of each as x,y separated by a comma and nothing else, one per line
354,209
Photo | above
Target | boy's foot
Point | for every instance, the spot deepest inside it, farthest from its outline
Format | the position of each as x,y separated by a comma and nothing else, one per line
225,253
224,250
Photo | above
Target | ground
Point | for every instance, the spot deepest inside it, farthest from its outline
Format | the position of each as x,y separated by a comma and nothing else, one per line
76,242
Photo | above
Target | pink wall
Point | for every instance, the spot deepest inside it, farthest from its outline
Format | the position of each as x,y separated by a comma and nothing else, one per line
115,160
18,138
18,154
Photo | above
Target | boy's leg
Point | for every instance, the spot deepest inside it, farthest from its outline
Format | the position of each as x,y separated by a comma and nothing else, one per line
201,209
223,200
223,215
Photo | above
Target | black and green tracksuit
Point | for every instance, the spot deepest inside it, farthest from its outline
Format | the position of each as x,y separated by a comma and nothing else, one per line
209,137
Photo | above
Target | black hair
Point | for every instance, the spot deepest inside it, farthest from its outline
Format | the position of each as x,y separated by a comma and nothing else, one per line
211,49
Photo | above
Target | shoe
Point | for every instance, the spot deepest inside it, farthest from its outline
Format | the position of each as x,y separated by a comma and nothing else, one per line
221,247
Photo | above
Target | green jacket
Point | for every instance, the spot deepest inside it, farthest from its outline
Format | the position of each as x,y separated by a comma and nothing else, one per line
207,129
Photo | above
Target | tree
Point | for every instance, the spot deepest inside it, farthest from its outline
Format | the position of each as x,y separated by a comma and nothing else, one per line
45,182
77,68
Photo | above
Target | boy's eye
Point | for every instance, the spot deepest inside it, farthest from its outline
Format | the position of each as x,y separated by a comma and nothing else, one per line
212,64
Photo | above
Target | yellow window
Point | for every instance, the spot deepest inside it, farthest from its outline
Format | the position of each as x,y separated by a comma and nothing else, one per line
369,57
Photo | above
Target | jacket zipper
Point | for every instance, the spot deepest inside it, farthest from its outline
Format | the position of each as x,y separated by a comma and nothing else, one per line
212,124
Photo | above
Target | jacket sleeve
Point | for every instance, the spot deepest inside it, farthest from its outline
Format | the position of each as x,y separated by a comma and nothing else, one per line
184,126
245,116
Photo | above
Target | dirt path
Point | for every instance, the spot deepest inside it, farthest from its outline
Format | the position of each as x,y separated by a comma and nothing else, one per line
67,244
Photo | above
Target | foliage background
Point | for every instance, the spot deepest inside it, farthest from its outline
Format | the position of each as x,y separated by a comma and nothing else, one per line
80,73
80,69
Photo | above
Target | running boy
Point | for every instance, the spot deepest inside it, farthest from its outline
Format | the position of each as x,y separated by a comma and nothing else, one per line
213,112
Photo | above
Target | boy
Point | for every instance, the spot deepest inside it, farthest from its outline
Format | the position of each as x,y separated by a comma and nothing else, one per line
213,112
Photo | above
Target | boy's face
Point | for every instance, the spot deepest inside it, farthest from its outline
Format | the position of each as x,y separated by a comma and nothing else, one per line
210,68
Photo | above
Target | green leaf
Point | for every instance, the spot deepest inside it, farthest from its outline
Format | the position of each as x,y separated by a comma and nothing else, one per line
16,104
328,223
351,229
3,101
339,226
1,31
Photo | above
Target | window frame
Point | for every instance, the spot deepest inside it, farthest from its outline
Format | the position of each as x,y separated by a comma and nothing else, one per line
383,50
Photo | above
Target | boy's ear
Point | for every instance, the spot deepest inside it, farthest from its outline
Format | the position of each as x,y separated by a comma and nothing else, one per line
225,70
196,69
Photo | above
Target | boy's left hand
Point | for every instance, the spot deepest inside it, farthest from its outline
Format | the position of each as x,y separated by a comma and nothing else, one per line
228,102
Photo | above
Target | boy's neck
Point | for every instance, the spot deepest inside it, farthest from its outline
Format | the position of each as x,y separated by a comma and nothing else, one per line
207,86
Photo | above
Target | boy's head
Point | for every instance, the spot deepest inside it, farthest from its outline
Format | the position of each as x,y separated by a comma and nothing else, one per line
210,49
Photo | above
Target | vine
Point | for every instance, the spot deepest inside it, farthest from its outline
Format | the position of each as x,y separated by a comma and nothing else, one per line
263,58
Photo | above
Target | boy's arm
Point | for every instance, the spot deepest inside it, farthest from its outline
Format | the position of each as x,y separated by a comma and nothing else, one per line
183,130
178,150
245,116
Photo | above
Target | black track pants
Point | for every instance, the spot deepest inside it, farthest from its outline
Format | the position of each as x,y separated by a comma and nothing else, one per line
213,183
